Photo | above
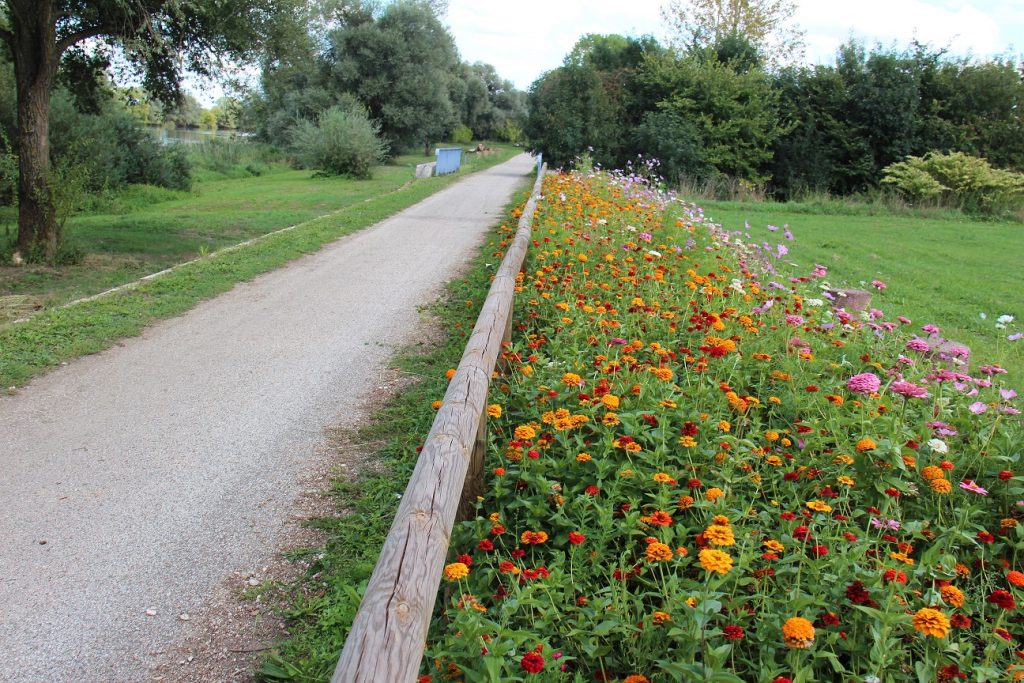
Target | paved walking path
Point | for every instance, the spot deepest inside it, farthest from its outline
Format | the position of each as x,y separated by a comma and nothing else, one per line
137,478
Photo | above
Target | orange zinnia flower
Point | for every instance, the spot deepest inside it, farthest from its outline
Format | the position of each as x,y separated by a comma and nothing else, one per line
798,633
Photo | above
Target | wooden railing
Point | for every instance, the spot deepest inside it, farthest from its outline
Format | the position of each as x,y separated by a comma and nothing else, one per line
390,630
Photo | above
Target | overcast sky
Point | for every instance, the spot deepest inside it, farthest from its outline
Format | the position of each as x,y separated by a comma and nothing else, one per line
525,38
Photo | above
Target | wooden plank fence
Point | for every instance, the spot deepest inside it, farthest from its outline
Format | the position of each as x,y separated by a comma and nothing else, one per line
390,629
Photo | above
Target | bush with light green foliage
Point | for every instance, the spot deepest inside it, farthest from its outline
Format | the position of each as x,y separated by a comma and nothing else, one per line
462,135
969,183
343,141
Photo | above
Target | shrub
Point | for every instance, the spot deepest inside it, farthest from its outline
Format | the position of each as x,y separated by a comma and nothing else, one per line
966,182
114,149
462,135
341,142
509,131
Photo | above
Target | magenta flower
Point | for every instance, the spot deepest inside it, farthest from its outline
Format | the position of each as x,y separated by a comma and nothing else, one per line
969,485
917,344
930,329
819,270
1007,394
864,383
978,408
885,523
878,284
908,389
903,319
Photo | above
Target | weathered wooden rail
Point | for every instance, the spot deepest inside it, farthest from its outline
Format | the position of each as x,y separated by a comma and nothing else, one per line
390,630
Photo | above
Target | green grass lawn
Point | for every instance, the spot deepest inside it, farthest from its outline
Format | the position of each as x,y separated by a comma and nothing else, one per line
167,227
944,271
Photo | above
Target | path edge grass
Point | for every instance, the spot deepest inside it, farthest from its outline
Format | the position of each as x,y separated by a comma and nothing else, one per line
55,336
323,603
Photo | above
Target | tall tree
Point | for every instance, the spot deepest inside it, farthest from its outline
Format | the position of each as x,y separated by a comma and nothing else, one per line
400,65
766,24
160,38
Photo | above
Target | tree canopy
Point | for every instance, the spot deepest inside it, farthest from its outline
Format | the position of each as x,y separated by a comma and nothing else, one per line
158,38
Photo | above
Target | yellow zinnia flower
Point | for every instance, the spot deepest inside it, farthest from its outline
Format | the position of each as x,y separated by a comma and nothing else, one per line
931,622
715,561
456,571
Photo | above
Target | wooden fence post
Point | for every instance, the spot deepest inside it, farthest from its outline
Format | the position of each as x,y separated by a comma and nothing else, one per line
389,632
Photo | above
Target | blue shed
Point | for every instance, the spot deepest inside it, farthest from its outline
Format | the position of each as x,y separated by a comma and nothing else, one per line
448,160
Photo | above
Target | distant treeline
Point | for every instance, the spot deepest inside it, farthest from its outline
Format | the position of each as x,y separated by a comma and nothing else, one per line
717,112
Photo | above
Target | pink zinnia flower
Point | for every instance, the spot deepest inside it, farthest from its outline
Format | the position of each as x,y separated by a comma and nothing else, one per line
917,344
878,284
908,389
978,407
969,485
904,319
794,320
930,329
819,270
864,383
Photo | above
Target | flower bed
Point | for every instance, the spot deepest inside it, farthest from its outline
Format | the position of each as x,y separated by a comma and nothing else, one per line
701,474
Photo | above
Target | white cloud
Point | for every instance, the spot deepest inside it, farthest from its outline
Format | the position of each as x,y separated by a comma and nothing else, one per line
963,27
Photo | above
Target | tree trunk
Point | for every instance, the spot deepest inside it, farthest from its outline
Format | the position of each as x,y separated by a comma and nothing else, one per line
35,65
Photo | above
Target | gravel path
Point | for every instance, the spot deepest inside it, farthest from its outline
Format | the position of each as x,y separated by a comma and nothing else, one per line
136,479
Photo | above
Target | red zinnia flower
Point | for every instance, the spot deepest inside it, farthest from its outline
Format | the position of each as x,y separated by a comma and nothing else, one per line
532,662
1002,598
985,537
485,545
576,538
733,632
857,594
960,621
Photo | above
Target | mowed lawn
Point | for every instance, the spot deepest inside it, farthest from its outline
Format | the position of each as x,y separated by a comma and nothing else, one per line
163,228
943,271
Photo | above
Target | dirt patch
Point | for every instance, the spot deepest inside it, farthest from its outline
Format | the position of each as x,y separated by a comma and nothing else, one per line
226,640
17,306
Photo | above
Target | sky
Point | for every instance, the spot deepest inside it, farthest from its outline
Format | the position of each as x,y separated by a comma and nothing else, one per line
525,38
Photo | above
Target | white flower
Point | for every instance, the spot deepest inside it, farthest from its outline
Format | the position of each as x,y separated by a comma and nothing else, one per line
814,302
982,315
938,445
1004,319
872,679
656,254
